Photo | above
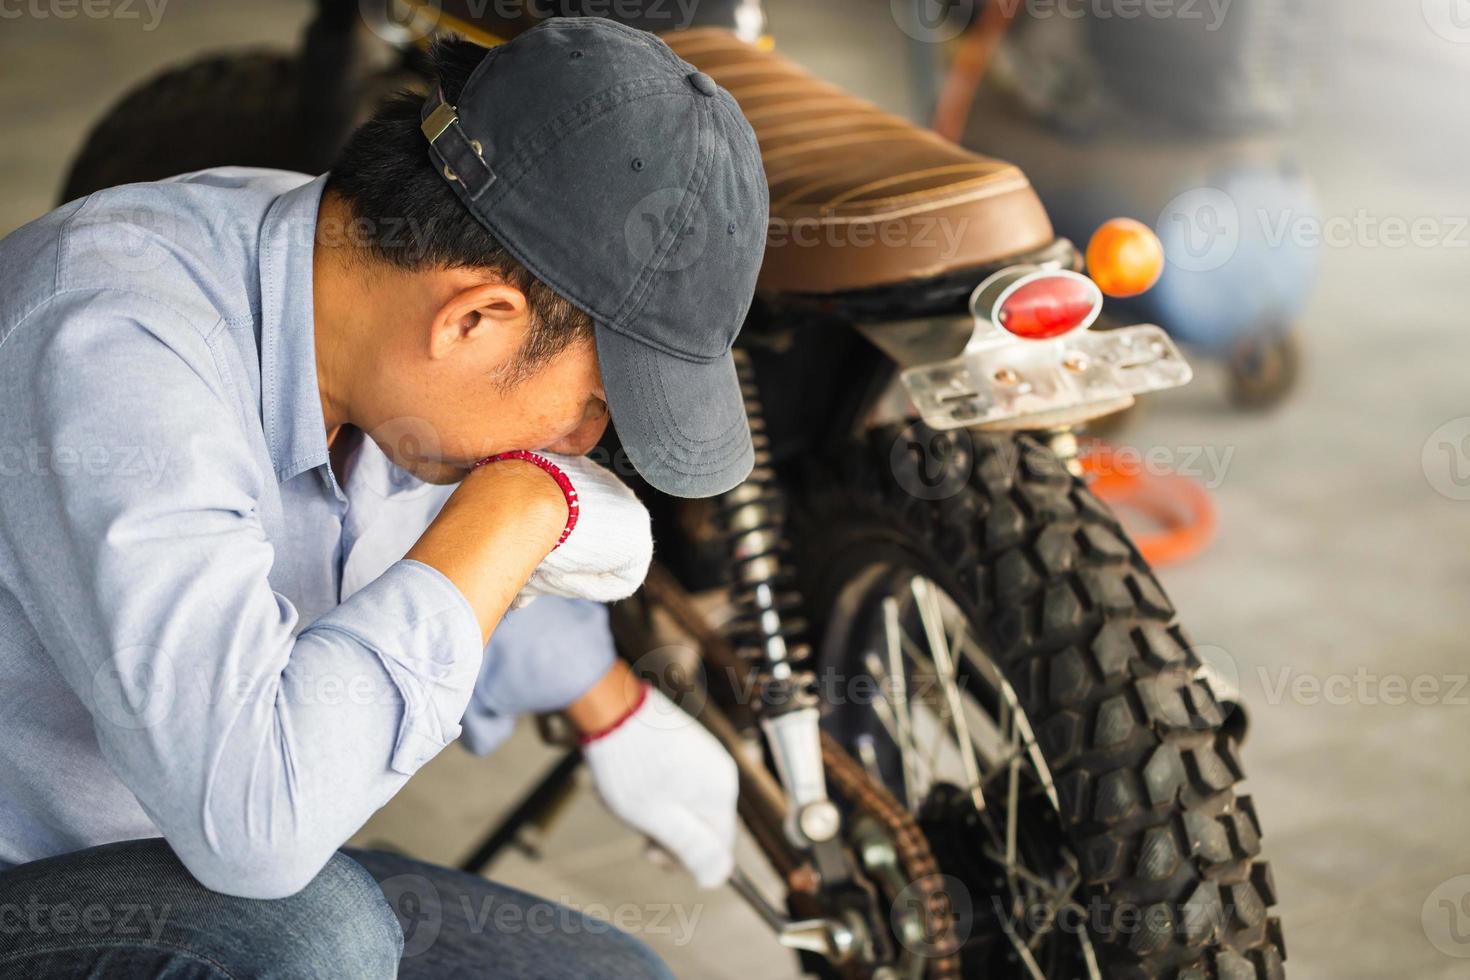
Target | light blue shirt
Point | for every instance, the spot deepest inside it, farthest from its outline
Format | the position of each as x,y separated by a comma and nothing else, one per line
202,634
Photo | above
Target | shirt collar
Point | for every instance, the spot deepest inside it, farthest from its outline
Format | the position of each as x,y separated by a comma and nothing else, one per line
291,402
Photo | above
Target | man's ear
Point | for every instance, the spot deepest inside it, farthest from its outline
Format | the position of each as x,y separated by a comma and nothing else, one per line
493,312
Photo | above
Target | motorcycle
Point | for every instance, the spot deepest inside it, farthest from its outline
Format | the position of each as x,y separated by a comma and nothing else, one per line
973,739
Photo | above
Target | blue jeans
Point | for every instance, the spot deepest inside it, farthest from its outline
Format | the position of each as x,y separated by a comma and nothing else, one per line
132,910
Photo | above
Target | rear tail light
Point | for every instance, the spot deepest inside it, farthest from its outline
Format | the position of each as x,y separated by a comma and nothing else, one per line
1046,308
1038,304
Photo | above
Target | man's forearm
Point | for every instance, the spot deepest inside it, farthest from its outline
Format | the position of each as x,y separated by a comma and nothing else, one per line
492,533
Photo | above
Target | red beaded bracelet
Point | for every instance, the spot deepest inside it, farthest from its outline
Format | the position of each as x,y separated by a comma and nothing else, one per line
562,480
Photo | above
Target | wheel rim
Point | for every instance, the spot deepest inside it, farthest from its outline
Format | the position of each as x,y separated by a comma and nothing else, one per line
944,730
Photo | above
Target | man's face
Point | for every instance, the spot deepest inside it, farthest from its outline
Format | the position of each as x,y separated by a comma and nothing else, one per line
559,408
446,390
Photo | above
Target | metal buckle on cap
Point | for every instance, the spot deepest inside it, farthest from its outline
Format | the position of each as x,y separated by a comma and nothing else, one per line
443,116
441,120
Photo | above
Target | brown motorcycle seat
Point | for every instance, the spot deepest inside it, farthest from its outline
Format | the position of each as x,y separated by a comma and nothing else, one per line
861,198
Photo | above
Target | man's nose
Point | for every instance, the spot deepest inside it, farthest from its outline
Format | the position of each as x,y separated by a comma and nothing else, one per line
580,441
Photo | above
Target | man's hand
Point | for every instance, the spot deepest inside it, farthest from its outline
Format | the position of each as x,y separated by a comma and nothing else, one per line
661,772
606,556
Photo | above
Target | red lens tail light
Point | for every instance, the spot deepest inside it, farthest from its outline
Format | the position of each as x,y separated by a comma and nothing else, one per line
1049,306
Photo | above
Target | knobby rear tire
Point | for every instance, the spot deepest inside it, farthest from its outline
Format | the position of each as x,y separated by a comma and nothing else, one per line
1145,765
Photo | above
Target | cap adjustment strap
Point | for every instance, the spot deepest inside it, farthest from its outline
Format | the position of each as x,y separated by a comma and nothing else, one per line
462,158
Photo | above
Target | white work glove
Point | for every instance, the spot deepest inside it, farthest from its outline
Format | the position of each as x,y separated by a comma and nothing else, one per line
606,556
662,773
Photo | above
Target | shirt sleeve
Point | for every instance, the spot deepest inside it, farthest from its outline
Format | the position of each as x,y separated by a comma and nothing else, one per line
540,658
256,746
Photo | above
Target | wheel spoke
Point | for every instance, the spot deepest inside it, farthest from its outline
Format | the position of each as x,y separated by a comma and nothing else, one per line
1062,900
1011,794
903,716
932,758
1094,971
1028,739
884,712
1022,951
1020,871
925,667
980,740
929,614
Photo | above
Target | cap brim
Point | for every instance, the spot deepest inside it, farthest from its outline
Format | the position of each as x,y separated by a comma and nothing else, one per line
682,423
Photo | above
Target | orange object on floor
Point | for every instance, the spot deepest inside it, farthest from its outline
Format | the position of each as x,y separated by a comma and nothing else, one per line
1178,507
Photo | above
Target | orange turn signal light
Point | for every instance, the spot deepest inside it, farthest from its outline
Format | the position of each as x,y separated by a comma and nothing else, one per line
1125,258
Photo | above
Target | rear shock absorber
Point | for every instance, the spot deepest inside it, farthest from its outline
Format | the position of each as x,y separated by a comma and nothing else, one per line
767,631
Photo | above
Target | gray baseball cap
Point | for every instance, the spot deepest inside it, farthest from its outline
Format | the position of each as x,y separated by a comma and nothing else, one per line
629,182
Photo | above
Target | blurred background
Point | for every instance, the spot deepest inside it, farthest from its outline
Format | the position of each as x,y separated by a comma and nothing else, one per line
1305,161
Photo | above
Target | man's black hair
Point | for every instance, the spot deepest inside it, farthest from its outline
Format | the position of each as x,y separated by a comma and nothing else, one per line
406,214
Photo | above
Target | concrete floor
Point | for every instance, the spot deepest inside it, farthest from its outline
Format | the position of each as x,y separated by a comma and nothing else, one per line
1341,561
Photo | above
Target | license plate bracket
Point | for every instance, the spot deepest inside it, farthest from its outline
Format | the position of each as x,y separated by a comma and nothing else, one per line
1007,379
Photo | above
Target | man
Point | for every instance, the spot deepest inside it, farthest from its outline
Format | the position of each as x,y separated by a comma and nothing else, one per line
228,405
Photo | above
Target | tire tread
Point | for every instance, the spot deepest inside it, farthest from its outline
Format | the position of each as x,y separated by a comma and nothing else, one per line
1145,774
